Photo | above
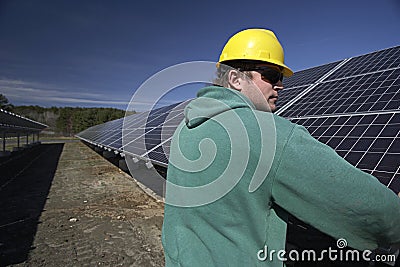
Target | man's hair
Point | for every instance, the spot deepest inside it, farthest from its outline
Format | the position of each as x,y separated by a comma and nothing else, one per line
243,67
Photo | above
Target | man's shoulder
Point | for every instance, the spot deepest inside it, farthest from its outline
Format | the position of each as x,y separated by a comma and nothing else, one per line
281,124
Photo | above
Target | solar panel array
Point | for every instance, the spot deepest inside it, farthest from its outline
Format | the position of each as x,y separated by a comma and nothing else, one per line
352,105
142,135
12,124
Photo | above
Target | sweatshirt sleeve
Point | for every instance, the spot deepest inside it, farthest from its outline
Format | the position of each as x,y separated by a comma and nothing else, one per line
319,187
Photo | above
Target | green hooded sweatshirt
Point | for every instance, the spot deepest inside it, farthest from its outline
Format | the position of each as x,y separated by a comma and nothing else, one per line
237,164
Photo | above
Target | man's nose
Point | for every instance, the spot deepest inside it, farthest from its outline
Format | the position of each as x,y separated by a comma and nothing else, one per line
278,86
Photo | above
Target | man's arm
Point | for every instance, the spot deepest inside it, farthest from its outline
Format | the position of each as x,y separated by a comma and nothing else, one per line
319,187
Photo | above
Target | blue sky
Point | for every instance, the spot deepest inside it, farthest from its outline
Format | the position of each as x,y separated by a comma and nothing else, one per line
97,53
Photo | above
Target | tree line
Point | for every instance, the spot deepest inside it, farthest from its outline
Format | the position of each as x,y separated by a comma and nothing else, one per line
64,121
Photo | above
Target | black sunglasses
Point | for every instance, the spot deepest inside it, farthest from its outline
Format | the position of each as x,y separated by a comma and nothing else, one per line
270,74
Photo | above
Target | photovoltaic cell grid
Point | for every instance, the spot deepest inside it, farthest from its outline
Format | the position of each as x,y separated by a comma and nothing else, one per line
301,80
141,135
160,153
141,140
372,62
371,142
308,76
371,65
114,138
99,133
163,134
288,94
363,93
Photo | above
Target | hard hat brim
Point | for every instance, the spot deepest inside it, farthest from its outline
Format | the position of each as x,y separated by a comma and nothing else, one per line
287,72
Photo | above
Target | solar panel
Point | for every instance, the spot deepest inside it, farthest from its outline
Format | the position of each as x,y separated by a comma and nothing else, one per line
371,142
308,76
300,83
289,94
363,93
145,137
155,145
12,125
372,62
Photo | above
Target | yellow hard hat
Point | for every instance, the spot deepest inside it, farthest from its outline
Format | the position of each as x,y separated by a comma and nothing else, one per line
255,44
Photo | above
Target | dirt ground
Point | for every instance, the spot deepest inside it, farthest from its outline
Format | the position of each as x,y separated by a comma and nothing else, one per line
87,212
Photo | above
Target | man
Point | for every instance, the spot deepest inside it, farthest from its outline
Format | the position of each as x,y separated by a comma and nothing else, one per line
241,211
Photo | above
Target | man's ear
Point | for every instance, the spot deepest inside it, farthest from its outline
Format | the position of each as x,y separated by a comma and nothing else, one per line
235,80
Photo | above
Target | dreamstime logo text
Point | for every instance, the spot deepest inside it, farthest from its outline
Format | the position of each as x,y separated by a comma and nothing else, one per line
331,254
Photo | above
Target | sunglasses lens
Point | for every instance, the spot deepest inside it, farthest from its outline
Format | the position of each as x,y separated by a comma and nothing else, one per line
269,73
272,75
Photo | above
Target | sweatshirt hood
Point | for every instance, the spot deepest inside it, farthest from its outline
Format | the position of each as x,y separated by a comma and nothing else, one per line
212,101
